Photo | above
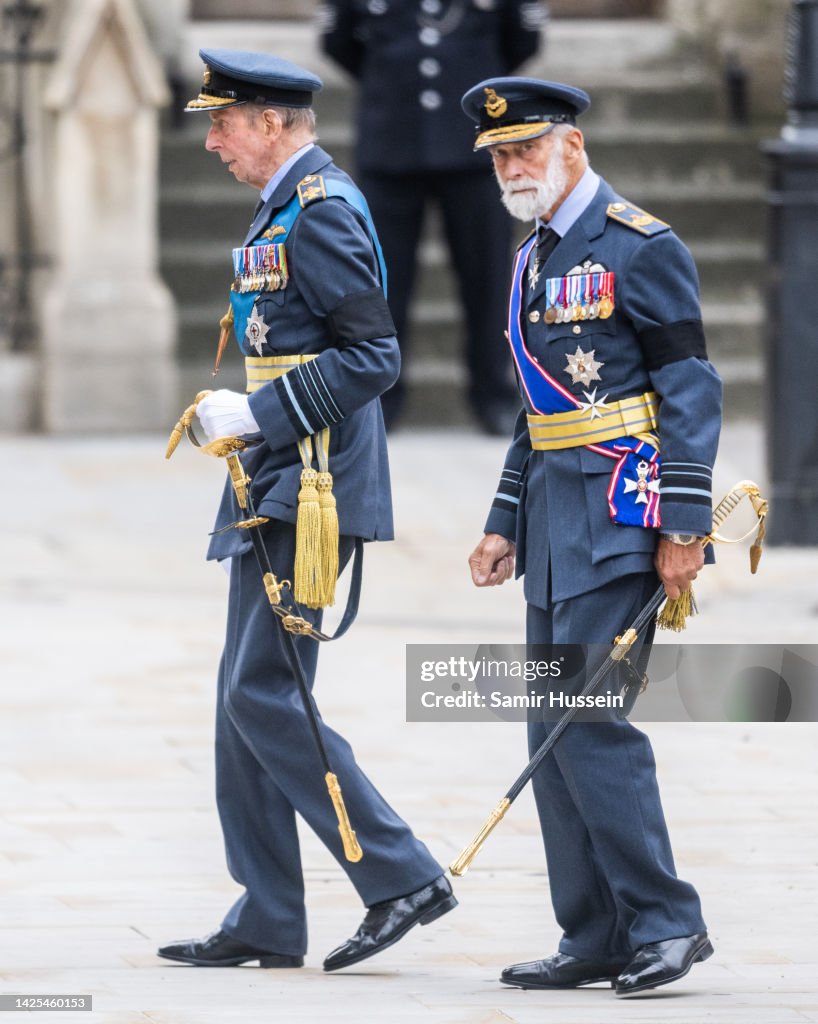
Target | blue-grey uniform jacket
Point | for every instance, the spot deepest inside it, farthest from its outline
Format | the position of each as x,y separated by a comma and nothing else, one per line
414,59
333,305
554,503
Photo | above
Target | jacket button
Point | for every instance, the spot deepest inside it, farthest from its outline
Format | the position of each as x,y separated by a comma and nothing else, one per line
429,67
534,316
430,99
577,329
429,36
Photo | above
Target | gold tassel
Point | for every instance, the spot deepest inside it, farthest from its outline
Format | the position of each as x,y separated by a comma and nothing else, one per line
755,547
329,538
307,571
676,612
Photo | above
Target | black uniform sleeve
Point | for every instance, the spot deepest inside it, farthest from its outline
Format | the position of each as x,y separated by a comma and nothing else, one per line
523,22
337,25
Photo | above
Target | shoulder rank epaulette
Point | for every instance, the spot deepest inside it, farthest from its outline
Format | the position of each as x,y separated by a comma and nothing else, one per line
310,189
632,217
522,243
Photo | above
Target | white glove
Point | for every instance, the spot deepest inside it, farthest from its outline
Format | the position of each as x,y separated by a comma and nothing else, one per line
226,414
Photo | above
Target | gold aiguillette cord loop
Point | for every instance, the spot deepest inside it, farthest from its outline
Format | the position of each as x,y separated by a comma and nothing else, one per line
461,865
352,848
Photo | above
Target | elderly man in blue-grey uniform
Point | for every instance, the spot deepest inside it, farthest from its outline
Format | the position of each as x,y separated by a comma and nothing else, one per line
413,60
312,322
606,338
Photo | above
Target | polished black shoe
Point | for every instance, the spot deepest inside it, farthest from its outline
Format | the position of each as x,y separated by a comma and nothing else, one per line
387,922
560,971
222,950
659,963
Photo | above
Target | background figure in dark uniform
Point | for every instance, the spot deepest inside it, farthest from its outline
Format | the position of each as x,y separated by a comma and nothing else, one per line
414,59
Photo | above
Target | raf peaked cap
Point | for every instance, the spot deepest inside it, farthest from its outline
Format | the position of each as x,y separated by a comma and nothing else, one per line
516,109
232,77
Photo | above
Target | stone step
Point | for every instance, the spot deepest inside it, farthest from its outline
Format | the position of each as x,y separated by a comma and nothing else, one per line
665,97
217,217
704,154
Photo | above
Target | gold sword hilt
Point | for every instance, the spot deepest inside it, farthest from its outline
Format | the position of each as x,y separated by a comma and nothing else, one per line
220,447
461,864
352,848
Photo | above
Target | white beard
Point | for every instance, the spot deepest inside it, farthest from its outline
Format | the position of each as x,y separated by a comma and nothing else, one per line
527,205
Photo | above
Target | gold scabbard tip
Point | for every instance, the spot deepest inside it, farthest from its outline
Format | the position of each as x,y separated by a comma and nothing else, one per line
352,848
461,864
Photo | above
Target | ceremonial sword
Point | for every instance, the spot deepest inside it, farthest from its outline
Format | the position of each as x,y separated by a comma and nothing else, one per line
674,619
292,623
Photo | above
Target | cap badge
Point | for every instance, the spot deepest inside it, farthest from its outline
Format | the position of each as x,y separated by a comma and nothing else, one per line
495,105
206,76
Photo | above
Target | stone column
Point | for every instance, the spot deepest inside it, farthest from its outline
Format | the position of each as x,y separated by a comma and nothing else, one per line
108,322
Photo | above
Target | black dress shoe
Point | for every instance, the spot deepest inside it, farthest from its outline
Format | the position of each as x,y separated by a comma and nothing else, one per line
560,971
390,920
222,950
659,963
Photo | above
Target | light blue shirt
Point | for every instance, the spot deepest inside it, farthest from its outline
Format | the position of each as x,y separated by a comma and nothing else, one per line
271,185
574,204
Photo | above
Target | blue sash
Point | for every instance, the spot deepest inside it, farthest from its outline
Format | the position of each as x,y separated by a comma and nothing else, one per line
243,302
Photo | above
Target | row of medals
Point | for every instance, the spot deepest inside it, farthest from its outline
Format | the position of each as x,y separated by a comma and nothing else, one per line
271,280
259,268
575,311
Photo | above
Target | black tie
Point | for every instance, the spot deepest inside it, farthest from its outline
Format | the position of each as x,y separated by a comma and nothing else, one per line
547,240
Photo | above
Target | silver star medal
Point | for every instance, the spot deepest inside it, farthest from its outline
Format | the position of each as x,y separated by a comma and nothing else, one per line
534,274
256,330
583,367
594,404
642,485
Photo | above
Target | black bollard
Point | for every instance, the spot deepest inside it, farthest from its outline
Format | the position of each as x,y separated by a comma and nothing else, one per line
791,334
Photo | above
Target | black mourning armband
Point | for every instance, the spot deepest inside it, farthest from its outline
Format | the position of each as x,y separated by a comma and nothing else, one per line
360,317
670,343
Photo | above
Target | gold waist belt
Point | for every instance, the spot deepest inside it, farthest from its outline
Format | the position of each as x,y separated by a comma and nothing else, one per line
316,538
598,421
262,369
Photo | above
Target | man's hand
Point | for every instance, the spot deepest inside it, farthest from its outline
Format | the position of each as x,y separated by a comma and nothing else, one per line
226,414
492,561
678,565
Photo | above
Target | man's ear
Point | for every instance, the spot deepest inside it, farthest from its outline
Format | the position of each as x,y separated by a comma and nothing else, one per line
574,144
272,123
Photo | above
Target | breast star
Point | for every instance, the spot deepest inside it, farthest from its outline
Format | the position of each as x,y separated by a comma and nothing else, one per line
256,330
583,367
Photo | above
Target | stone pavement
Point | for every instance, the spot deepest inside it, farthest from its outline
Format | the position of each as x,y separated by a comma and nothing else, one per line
109,841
